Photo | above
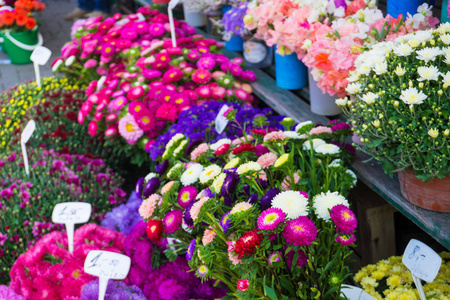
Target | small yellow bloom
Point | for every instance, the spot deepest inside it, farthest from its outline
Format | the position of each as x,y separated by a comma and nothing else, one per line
433,132
446,132
376,123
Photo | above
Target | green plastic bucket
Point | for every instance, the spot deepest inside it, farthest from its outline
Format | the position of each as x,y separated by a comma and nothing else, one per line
20,45
2,37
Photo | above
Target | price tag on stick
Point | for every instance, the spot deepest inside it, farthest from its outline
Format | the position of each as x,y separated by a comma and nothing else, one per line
221,121
423,263
106,265
171,6
24,138
40,56
71,213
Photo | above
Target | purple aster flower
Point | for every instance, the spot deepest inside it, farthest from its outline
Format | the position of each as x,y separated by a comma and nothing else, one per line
225,222
346,240
151,187
140,186
162,168
343,218
341,126
187,215
191,249
229,185
172,221
300,231
115,290
301,261
186,195
270,218
266,200
192,145
253,198
208,193
261,150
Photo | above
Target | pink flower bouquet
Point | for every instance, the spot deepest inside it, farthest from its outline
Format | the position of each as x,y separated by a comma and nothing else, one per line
49,271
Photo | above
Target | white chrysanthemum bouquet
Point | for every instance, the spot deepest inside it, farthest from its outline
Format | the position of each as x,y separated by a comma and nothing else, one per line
401,102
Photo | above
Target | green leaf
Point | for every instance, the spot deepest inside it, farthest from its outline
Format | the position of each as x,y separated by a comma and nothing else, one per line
270,293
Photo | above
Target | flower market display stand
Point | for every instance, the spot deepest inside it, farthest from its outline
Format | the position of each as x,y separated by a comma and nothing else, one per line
295,105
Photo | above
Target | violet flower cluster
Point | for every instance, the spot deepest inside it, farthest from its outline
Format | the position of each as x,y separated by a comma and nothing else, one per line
124,217
197,123
233,21
116,290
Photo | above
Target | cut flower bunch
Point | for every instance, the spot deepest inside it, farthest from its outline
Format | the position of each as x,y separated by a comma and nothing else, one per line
390,279
16,20
260,213
407,123
26,202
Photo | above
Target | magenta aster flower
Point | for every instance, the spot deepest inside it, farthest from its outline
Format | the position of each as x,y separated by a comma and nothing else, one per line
107,50
186,195
151,74
300,231
270,218
201,76
193,56
128,34
241,94
145,120
301,261
172,221
274,257
248,75
135,108
304,194
91,63
343,218
242,285
218,92
118,103
167,112
346,240
129,129
172,75
156,29
206,63
203,49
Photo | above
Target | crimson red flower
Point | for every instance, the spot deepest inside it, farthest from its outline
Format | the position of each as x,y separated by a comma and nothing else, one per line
247,243
259,131
244,148
243,285
155,230
222,149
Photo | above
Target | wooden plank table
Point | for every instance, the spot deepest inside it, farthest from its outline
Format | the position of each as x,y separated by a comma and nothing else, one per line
294,105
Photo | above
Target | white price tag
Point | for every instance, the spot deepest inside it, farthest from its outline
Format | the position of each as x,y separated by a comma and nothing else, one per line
221,120
40,55
421,260
100,83
355,293
71,213
106,265
140,17
123,21
171,6
24,138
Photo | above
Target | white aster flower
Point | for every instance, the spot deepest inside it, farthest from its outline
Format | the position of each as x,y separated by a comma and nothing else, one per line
335,163
353,175
353,88
445,39
219,143
364,69
191,175
292,203
150,176
353,76
412,96
316,143
380,68
301,124
341,101
232,163
428,54
251,166
423,35
324,202
446,78
209,173
428,73
444,28
218,182
180,148
292,135
327,149
403,50
174,139
69,61
57,65
400,71
369,98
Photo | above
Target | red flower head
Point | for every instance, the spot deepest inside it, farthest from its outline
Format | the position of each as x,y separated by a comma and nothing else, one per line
222,149
247,243
244,148
242,285
155,230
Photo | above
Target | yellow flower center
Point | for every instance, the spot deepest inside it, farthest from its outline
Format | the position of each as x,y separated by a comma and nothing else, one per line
179,101
129,127
271,217
145,120
167,98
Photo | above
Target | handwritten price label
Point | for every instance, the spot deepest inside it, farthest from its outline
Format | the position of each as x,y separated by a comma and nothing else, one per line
221,120
421,260
24,138
71,212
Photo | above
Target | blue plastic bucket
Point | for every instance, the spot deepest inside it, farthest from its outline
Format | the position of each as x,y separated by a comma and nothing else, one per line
236,43
444,12
397,7
290,72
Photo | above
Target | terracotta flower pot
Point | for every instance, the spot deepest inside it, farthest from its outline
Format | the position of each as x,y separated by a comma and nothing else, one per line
433,195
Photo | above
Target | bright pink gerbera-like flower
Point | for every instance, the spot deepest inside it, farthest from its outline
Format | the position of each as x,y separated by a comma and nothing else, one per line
156,29
90,63
305,194
135,108
300,231
167,112
186,195
202,148
267,160
208,236
204,91
274,136
206,63
129,129
242,285
346,240
343,218
320,129
241,94
222,149
92,128
145,121
172,221
172,75
270,218
201,76
218,92
148,206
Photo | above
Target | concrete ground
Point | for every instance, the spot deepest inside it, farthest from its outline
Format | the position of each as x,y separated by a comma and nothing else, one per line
55,31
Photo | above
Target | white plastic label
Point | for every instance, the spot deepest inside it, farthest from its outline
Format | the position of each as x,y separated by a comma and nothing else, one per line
421,260
221,120
254,52
123,21
355,293
24,138
106,265
140,17
171,6
40,55
71,213
100,83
